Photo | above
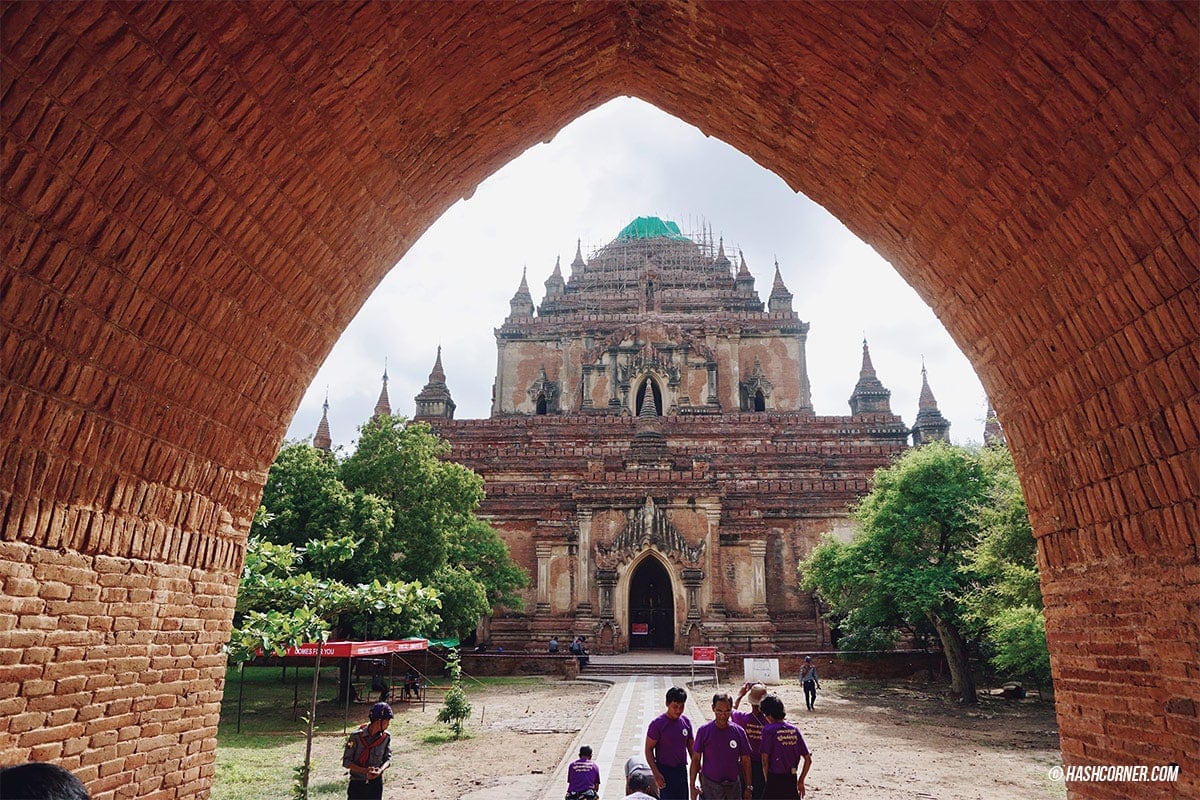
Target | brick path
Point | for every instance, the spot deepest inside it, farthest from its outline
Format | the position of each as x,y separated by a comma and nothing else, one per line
617,729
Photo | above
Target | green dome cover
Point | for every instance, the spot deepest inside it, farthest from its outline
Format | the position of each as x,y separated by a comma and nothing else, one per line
651,228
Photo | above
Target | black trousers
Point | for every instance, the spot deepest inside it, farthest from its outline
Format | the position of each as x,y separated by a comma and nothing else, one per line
760,780
781,786
366,790
810,694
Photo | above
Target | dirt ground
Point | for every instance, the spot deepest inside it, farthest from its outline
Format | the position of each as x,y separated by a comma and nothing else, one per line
870,742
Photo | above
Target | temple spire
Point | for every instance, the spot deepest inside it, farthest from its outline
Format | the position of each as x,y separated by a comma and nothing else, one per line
434,399
321,439
930,424
869,396
781,298
578,266
521,304
743,282
555,285
993,434
383,406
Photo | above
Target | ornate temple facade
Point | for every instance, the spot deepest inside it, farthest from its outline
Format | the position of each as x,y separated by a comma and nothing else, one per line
652,456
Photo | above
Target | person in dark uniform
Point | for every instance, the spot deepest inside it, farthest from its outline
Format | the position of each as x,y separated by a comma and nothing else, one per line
368,753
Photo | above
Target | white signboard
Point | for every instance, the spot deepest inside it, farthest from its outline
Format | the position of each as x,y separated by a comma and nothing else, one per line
762,670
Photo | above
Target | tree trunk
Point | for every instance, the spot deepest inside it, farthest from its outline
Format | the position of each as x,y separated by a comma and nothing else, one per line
956,657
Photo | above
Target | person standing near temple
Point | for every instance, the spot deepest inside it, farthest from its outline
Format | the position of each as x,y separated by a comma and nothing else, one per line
808,677
753,722
368,753
668,745
721,756
783,748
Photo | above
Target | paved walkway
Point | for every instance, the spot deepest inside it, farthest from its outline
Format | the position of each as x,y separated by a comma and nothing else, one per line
617,728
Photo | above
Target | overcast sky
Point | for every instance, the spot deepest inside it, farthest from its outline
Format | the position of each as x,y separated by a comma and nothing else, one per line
624,160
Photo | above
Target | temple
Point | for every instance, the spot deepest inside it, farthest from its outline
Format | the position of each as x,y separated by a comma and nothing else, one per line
652,456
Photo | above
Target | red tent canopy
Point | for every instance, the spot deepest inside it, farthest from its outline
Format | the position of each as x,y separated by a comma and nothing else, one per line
379,647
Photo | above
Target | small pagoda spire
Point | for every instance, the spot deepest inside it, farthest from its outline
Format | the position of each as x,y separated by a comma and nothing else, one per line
434,400
649,407
383,406
577,266
869,396
993,434
555,285
722,260
521,304
321,439
781,298
930,424
743,283
437,374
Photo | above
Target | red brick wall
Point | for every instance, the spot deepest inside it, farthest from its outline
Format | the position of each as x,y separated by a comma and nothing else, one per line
196,197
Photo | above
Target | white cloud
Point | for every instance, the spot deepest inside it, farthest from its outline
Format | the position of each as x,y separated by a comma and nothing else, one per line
623,160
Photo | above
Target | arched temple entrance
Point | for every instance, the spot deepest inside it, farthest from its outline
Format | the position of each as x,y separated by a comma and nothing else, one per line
651,607
172,171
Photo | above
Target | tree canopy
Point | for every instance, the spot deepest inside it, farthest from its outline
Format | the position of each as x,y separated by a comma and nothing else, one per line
392,514
944,545
904,568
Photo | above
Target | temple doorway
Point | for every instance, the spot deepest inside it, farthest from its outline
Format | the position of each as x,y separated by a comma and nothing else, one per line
651,608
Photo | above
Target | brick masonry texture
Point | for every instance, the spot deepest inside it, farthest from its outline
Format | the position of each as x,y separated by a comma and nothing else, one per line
197,197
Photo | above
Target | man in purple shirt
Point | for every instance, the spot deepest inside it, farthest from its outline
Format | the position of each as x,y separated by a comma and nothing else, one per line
721,756
752,723
583,776
782,749
668,744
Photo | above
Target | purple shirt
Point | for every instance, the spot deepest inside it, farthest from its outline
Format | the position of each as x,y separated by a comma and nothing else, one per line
783,746
672,738
583,774
753,723
722,750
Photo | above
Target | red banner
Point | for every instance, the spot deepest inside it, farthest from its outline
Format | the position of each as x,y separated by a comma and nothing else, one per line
704,655
641,629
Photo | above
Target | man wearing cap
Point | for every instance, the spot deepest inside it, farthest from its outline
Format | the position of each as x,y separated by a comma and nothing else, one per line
368,753
752,723
721,756
668,746
639,780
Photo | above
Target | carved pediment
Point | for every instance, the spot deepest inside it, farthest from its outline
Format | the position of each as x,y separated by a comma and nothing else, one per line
647,526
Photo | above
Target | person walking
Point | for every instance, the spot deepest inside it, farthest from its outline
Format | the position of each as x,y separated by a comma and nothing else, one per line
783,748
368,753
668,744
583,777
721,756
808,677
753,722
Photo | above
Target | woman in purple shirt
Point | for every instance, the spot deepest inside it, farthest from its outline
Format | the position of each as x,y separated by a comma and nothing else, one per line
782,750
583,776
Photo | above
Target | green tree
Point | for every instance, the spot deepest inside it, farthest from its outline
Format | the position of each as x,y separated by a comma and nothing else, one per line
464,600
309,507
478,548
907,564
278,607
1004,600
430,499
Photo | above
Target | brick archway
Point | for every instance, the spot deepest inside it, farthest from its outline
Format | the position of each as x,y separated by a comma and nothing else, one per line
197,198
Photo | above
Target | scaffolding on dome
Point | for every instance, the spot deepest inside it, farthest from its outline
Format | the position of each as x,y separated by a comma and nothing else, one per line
680,260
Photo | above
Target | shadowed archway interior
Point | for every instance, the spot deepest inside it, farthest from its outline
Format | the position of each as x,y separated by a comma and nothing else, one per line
197,197
651,607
